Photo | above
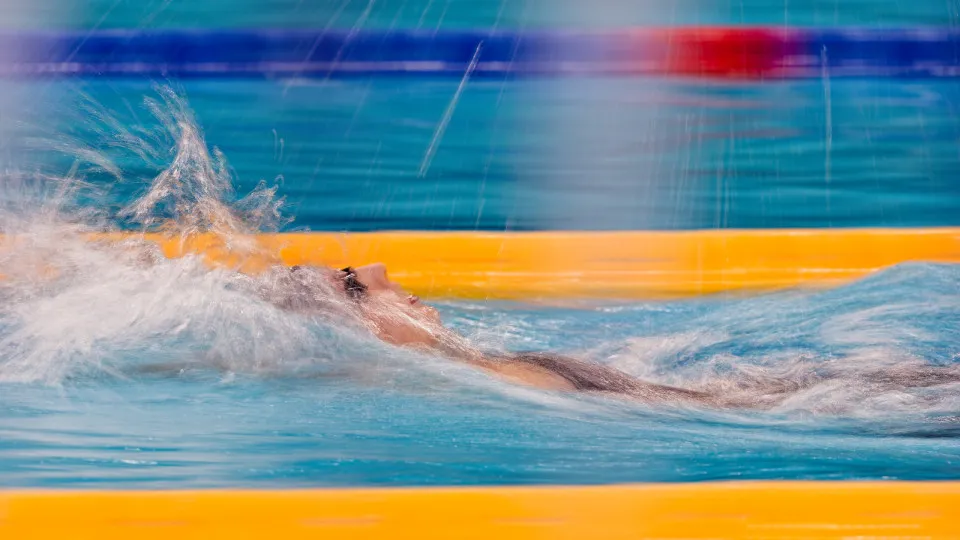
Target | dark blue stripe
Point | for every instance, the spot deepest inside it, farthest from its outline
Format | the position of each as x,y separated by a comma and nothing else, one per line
240,53
886,52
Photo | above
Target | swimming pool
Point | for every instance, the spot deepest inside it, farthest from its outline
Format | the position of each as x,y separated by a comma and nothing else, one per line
308,403
325,410
617,153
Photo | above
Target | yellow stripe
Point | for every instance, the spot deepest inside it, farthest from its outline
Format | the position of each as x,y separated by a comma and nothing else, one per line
742,510
629,264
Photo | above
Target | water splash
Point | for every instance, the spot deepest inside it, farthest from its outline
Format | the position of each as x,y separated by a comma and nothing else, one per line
72,306
76,308
195,192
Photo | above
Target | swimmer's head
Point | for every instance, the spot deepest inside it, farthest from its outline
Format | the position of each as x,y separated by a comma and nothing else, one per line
399,317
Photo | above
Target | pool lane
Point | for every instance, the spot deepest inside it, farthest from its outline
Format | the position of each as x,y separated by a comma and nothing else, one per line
715,510
581,264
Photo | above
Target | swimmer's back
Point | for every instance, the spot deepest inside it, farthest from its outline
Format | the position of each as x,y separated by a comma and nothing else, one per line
591,377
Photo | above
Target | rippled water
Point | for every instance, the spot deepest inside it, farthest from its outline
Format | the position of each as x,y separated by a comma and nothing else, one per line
398,419
300,400
620,153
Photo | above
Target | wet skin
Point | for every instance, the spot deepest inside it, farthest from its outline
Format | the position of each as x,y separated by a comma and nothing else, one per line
403,320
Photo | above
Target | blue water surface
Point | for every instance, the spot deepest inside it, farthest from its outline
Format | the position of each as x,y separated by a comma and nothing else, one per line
601,153
469,13
404,420
618,153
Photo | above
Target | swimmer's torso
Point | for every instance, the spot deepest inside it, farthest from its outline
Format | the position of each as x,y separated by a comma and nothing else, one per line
565,373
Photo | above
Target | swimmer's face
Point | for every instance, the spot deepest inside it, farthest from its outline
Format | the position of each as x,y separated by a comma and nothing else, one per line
400,317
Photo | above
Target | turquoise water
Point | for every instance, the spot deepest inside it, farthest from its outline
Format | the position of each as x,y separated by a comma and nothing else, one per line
354,415
470,13
540,154
304,402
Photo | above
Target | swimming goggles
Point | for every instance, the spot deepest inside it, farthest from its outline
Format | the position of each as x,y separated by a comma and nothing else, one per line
352,285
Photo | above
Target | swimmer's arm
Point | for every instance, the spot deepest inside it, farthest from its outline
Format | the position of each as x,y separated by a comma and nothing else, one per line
523,374
629,386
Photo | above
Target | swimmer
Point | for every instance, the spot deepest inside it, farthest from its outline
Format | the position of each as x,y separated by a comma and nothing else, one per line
401,319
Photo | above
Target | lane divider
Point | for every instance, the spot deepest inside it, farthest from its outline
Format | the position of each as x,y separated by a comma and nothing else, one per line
731,52
703,510
579,264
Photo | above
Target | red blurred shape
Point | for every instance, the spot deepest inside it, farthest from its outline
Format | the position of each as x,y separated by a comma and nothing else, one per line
747,53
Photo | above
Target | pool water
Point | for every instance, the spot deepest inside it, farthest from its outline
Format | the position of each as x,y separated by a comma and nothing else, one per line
533,154
303,401
346,412
469,13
